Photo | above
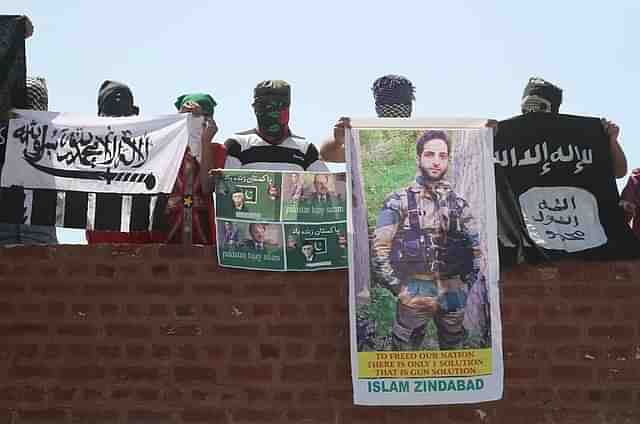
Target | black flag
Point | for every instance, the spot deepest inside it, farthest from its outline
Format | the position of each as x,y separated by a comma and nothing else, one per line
558,197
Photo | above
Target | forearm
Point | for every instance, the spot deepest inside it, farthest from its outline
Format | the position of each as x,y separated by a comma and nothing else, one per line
618,158
205,165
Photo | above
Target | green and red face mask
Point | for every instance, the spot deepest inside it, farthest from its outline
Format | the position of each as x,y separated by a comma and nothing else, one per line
273,118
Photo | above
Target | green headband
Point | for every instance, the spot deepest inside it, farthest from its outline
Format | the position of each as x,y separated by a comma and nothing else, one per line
205,101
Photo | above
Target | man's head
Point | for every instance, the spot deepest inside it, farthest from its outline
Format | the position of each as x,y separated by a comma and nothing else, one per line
257,232
295,178
432,154
238,200
321,183
393,95
115,99
307,249
271,101
37,94
541,96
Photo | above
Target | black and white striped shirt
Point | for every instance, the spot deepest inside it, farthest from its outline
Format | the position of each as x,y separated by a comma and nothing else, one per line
247,150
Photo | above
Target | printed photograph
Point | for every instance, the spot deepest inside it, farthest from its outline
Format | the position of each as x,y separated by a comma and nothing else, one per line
314,197
316,246
251,196
250,245
427,286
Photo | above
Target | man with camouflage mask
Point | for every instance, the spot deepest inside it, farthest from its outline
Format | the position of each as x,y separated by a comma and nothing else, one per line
271,145
426,250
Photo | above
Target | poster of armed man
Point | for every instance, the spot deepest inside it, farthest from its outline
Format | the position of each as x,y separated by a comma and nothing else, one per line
424,304
281,221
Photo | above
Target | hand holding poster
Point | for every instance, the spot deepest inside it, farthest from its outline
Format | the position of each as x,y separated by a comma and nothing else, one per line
425,322
281,221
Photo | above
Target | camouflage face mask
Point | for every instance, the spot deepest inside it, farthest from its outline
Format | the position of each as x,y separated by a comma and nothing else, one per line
273,119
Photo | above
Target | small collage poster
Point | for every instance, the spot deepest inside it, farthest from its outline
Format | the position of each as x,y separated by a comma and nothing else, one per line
281,221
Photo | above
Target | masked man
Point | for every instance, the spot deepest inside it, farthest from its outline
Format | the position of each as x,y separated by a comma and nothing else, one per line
271,145
426,250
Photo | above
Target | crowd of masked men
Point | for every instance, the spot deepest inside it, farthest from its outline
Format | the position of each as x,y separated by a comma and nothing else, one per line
271,145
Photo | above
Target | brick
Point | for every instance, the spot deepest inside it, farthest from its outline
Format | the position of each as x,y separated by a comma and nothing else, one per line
572,373
135,374
262,289
82,373
257,395
269,351
92,395
362,415
194,375
158,310
547,332
147,394
235,330
80,351
612,332
213,288
304,373
127,330
26,351
133,311
210,311
161,289
109,310
214,352
315,311
258,415
73,270
521,373
181,330
42,416
94,417
622,373
290,330
263,310
188,352
81,311
62,394
149,417
325,352
202,415
76,330
105,271
111,288
297,350
23,330
108,351
30,372
135,352
53,288
251,374
313,415
7,309
9,288
160,271
33,394
162,352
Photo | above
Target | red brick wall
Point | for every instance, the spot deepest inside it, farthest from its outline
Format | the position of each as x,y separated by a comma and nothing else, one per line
160,335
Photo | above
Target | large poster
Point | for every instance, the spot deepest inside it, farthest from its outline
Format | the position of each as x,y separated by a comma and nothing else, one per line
99,173
425,317
281,221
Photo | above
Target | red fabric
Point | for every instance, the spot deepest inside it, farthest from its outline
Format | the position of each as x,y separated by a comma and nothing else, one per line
631,193
205,208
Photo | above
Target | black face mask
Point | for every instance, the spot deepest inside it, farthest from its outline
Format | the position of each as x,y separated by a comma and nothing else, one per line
118,104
